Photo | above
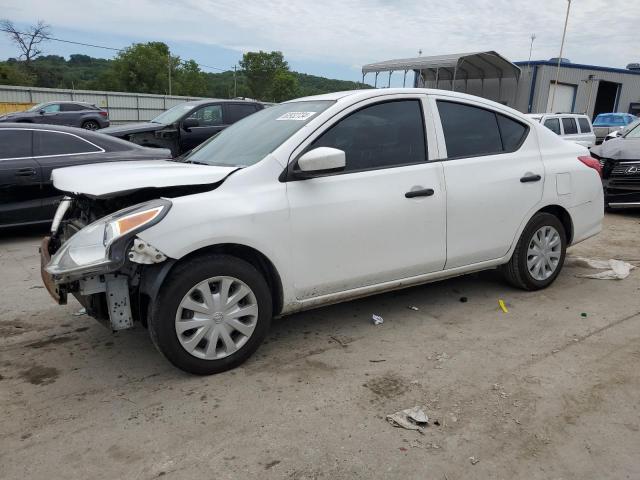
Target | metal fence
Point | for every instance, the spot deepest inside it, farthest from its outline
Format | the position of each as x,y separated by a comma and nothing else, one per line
122,107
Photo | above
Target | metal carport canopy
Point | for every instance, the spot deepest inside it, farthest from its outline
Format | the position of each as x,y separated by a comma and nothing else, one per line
462,66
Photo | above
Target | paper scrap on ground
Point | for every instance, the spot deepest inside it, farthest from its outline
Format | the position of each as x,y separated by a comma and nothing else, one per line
377,319
410,419
613,269
503,306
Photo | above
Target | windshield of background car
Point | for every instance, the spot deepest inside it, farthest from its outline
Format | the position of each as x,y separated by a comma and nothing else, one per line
37,107
173,114
631,130
607,120
254,137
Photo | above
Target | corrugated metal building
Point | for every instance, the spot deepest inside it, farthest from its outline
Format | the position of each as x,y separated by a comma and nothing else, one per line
581,88
122,107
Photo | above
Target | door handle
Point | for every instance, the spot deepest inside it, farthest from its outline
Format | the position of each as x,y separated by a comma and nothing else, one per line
425,192
530,178
26,172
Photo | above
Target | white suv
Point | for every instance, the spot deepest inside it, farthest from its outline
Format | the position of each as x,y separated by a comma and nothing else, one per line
573,127
316,201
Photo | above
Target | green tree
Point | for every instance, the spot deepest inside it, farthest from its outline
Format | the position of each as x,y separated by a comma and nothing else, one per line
189,80
284,86
15,74
260,69
143,68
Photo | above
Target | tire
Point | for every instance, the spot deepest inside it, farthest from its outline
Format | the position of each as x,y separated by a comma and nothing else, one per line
90,125
186,287
517,271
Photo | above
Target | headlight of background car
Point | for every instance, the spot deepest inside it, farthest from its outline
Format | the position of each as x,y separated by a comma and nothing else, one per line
101,245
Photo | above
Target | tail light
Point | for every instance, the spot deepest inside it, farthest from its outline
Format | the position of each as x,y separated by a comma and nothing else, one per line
592,163
103,113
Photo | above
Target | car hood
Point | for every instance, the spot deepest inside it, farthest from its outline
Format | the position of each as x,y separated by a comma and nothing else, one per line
106,179
10,116
129,128
618,148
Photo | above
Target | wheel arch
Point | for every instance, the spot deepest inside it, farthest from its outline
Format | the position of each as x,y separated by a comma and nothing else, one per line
155,275
564,216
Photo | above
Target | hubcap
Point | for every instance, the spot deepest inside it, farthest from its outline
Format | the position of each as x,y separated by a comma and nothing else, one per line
543,254
216,318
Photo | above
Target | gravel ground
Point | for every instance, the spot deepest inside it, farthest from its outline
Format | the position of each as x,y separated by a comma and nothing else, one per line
548,390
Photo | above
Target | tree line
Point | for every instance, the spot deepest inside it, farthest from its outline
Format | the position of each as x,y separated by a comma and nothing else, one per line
152,68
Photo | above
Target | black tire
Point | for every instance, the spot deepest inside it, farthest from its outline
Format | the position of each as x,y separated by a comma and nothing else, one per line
90,125
516,271
180,280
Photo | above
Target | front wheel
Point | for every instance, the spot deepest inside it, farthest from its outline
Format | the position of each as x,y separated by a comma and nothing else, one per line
539,254
211,315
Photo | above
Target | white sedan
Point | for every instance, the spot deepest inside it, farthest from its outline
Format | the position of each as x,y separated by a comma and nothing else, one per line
316,201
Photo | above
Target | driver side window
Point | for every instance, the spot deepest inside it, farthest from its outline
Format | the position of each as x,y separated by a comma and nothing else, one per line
207,116
53,108
383,135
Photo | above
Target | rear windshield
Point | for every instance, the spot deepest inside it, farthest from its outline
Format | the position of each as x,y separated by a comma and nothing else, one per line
254,137
606,120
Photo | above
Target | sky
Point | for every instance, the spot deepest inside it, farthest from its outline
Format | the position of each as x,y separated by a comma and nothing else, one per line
334,38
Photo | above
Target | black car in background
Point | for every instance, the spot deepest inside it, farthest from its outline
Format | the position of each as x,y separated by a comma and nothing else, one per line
187,125
72,114
28,154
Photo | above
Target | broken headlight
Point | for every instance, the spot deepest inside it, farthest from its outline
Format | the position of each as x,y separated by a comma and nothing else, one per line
101,245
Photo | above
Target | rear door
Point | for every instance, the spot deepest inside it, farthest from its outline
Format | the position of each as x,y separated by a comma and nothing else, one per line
494,177
20,177
237,111
56,150
71,114
570,129
358,227
210,121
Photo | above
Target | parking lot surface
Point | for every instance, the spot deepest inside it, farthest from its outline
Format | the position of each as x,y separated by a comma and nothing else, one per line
548,390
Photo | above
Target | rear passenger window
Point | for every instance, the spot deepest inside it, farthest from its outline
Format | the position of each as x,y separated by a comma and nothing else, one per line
553,124
237,111
72,107
472,131
584,125
512,133
380,136
569,125
52,143
15,143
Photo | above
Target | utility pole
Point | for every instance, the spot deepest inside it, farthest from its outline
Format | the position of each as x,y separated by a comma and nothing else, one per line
169,65
533,37
235,82
564,33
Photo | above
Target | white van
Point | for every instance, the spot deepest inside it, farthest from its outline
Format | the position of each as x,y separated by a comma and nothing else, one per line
570,126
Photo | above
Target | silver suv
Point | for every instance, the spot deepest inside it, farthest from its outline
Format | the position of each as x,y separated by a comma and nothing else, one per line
574,127
72,114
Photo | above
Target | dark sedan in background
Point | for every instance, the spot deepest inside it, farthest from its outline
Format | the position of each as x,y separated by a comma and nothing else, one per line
72,114
28,154
620,160
187,125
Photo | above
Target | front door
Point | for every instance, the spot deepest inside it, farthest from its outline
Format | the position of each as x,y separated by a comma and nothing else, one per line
20,179
358,227
494,177
210,122
49,114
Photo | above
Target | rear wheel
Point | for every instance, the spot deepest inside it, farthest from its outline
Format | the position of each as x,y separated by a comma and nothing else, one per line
539,254
90,125
212,314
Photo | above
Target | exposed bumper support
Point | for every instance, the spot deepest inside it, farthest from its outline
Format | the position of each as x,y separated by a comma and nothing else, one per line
116,289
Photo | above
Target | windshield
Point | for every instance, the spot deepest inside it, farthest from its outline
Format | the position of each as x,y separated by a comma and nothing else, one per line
632,127
609,120
37,107
254,137
173,114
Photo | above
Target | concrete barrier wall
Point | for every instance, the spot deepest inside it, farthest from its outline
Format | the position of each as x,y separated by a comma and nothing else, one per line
122,107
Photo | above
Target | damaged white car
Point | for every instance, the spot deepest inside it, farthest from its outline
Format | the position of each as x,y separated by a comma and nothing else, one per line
316,201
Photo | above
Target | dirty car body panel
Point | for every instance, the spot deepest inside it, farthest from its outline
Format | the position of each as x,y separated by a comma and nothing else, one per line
312,202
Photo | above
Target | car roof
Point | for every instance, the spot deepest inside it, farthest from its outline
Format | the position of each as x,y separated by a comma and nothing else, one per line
557,114
216,100
100,139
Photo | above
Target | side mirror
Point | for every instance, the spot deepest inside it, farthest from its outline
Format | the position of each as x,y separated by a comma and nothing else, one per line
189,123
320,160
41,112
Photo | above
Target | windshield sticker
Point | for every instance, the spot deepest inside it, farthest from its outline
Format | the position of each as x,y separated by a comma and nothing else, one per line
299,116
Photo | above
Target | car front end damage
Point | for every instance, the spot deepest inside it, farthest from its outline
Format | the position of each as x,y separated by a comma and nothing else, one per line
93,253
621,182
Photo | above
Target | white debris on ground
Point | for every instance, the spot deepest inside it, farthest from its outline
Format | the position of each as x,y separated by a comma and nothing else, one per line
474,460
410,419
613,269
377,319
